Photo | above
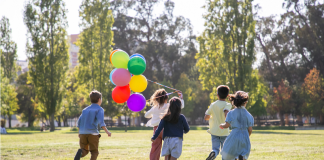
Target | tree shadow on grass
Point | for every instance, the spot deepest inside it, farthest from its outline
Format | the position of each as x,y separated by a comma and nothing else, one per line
285,133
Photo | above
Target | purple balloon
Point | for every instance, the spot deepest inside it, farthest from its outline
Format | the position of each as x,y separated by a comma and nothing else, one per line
136,102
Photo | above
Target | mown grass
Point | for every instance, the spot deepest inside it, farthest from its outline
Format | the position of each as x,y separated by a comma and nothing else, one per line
135,144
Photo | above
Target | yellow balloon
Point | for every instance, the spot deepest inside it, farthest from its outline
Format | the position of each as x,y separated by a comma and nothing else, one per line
138,83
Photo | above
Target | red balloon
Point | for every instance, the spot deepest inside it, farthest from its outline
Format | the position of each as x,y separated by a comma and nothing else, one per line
121,94
121,77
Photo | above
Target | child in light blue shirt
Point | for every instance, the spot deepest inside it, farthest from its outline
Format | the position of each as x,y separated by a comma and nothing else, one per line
238,144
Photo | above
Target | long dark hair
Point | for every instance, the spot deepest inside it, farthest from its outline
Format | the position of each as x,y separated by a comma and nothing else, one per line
174,110
239,98
159,97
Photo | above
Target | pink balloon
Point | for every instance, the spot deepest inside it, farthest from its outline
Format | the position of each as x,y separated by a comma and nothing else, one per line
121,77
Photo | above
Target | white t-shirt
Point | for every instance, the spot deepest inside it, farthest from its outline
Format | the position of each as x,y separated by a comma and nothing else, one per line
156,113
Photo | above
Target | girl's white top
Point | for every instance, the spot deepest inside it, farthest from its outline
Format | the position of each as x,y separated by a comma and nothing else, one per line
156,113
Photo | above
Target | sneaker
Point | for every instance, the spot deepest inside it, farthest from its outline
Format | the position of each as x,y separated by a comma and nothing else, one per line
212,156
78,155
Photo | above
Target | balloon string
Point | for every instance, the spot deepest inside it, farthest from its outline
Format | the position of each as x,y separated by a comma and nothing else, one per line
163,85
162,96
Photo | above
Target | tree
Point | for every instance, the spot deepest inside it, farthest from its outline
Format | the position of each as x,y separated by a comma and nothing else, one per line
314,88
306,20
95,42
282,100
165,40
8,50
47,52
9,100
226,51
26,99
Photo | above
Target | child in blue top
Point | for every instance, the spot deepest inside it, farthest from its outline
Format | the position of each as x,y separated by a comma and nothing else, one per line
88,122
238,144
174,125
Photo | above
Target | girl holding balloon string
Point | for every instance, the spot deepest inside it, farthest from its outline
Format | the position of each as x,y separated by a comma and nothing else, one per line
159,101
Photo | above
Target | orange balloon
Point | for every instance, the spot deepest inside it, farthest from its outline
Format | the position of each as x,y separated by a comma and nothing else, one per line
112,54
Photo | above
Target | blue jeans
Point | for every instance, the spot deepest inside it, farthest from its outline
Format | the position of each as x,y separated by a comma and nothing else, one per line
217,142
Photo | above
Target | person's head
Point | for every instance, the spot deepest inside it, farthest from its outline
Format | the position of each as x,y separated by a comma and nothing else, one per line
222,91
95,97
240,98
159,98
174,110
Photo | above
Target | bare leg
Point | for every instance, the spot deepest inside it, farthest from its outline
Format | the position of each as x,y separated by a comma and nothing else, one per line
167,157
172,158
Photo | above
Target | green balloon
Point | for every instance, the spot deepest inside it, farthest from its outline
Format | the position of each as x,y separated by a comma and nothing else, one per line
120,59
136,66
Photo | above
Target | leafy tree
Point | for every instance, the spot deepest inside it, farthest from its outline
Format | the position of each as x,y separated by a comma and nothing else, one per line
282,100
47,52
306,23
9,102
226,50
26,99
166,41
95,43
314,88
8,50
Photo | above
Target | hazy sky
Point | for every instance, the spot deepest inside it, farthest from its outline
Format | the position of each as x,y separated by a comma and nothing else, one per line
192,9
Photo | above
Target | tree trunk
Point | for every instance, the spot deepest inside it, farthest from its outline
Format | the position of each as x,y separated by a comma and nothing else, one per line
52,125
59,121
259,121
125,123
119,121
299,120
287,119
9,120
321,118
282,121
65,122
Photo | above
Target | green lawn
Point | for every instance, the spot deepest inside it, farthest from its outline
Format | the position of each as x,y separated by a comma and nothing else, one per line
135,144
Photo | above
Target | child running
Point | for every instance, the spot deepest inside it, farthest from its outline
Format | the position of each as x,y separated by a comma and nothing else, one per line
91,117
237,144
216,115
159,100
174,125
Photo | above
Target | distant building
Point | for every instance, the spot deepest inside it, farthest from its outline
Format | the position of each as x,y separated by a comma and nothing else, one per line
23,65
73,50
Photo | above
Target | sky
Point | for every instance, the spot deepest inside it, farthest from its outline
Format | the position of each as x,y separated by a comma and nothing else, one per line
191,9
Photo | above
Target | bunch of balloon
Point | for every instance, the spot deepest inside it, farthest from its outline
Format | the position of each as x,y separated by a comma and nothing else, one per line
138,82
128,76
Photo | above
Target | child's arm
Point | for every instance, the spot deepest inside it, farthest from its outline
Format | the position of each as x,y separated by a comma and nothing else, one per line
100,117
106,130
250,131
186,127
207,117
225,112
224,125
181,98
149,114
158,130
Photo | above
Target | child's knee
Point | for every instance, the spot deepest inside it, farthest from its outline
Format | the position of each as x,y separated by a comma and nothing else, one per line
84,152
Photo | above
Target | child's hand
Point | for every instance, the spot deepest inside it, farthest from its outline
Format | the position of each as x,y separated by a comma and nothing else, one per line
221,126
180,95
152,140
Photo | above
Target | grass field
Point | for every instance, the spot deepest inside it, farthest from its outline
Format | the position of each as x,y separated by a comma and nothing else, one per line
135,144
